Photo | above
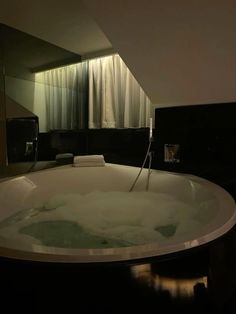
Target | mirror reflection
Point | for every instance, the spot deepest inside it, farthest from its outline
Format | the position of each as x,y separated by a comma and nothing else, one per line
53,96
98,93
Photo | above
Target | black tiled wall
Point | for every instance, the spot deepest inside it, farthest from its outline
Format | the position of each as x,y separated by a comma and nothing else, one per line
20,133
121,146
206,135
207,138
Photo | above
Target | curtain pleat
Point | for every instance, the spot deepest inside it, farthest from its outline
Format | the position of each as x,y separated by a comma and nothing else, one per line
100,93
116,100
66,96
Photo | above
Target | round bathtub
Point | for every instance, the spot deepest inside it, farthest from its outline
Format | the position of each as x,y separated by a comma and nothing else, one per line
177,213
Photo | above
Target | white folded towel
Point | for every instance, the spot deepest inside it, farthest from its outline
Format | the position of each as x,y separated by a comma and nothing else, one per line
89,161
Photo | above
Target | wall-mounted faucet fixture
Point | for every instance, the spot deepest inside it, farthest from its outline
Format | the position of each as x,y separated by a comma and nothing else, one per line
29,148
171,153
149,154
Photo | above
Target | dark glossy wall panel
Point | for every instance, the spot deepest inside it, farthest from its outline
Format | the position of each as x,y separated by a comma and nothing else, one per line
121,146
22,134
60,142
206,135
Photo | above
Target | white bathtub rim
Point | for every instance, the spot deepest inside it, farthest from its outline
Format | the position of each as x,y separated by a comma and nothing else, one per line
58,255
43,253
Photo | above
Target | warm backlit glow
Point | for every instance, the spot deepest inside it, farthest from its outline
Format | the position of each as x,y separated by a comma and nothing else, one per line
177,287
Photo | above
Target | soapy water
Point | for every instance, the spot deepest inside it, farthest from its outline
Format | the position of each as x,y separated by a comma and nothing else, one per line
106,219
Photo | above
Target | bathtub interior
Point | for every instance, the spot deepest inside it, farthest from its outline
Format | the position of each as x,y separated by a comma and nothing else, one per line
87,213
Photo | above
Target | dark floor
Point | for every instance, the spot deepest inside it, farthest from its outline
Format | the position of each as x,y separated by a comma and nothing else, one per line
199,281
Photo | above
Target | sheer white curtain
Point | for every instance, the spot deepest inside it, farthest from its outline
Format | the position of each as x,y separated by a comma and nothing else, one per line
66,96
116,100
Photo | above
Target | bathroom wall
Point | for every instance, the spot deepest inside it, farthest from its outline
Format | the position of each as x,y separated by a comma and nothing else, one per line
21,55
25,55
121,146
19,91
3,155
206,139
25,97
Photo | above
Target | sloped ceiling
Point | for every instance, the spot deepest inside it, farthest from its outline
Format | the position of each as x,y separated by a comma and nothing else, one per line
181,52
66,24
